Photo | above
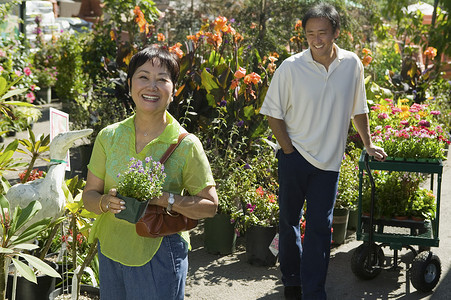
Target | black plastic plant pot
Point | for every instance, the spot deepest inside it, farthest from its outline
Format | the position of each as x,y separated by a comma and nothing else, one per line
28,290
133,211
258,239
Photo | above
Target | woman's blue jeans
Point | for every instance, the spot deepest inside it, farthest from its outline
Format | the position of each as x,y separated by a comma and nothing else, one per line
305,265
164,277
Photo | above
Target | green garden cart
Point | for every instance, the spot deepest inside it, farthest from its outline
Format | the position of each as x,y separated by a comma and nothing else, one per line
368,259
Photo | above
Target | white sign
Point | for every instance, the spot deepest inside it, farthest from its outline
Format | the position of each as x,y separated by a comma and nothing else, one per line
59,122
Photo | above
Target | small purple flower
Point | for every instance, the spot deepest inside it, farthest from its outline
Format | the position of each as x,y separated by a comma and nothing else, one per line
223,103
240,123
250,207
247,166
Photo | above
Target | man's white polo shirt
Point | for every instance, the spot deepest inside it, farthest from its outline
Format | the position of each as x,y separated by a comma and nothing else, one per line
317,105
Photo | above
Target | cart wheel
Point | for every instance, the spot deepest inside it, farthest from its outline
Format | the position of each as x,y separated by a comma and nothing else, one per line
367,260
425,271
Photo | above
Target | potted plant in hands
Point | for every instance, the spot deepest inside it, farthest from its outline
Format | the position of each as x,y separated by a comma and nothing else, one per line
139,183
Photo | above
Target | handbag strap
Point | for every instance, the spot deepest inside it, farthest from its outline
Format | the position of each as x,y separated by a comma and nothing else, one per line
171,148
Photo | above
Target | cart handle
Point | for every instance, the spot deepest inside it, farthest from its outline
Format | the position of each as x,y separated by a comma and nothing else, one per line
373,194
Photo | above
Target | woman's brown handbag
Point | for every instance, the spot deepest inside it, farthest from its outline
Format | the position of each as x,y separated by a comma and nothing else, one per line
157,221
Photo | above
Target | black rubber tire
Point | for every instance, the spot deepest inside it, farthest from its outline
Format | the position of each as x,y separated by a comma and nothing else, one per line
367,260
425,271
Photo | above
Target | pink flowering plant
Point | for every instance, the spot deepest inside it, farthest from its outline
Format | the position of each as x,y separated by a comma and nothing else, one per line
410,132
260,208
142,180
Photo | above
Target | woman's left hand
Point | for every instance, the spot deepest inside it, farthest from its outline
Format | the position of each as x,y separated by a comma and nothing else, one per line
114,204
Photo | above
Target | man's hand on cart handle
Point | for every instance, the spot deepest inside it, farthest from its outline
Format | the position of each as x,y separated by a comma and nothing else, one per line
377,152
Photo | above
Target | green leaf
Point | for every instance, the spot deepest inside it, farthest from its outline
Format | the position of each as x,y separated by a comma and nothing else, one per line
249,111
26,246
27,213
32,231
3,84
209,82
211,100
40,265
24,270
19,103
6,250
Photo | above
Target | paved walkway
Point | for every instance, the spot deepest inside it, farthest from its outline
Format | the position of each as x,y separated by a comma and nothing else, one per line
231,277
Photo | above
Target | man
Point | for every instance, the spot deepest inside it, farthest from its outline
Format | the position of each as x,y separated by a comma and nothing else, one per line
310,102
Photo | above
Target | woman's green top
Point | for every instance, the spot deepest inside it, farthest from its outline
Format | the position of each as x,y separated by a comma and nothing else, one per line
187,169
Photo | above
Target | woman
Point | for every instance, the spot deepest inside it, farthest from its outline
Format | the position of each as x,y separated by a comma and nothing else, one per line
134,267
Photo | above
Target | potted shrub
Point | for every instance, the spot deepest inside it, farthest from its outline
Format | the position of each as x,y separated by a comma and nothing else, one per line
16,232
347,194
82,254
259,218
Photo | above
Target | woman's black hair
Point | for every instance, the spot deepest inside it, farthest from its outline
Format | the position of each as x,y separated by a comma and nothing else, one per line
157,55
323,10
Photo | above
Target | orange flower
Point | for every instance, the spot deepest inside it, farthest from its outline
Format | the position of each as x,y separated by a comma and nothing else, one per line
221,24
161,37
237,37
253,25
240,73
141,20
367,60
260,191
214,39
271,68
235,82
272,58
298,25
430,53
194,38
176,49
272,198
252,78
367,51
112,35
231,30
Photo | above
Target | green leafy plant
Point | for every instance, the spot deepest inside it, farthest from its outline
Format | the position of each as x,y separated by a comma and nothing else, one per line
16,232
348,182
142,181
34,148
397,194
260,208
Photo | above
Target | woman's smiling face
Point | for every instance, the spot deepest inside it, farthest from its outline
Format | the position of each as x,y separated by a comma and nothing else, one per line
151,87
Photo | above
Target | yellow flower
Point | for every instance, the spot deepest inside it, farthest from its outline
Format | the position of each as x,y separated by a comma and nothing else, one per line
127,59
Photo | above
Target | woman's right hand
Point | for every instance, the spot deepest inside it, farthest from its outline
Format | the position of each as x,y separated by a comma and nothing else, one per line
112,203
